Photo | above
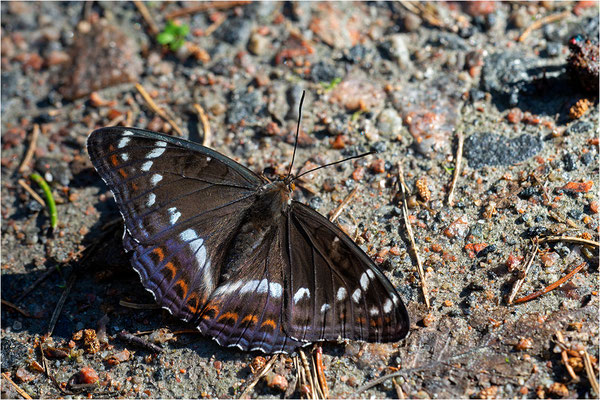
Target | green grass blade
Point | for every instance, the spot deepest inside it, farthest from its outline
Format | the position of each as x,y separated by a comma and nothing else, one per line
49,198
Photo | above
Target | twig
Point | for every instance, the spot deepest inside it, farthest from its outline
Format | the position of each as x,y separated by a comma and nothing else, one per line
138,341
552,286
32,146
17,388
258,376
222,5
37,178
307,373
32,192
570,239
338,210
314,374
147,17
399,391
129,119
116,121
519,282
459,151
161,113
207,138
411,237
541,22
61,303
16,308
137,306
321,371
589,370
565,357
215,25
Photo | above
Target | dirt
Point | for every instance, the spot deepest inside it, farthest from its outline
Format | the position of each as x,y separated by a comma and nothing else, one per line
404,80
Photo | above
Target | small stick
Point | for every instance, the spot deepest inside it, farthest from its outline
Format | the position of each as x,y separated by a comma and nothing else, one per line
258,376
161,113
32,146
338,210
589,370
222,5
565,357
32,192
138,341
313,370
215,25
116,121
307,373
137,306
61,303
17,388
459,151
147,17
129,119
541,22
399,391
411,236
37,178
321,371
570,239
552,286
207,139
519,282
16,308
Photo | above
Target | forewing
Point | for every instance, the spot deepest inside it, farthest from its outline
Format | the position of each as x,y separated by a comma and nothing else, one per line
181,203
335,289
246,311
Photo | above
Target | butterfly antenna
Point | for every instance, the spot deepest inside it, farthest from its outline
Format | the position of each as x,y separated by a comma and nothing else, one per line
297,133
334,163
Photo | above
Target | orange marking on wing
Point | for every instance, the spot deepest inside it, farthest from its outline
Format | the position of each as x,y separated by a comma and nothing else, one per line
210,307
269,322
122,172
171,267
159,252
229,315
361,320
134,187
375,323
250,319
181,283
193,308
113,160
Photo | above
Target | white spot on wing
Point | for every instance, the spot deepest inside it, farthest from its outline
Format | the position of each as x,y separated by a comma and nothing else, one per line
356,296
157,152
374,311
341,294
300,294
364,281
387,306
124,156
151,199
324,308
123,142
188,235
395,299
173,215
275,290
146,166
155,179
371,274
208,159
127,133
263,286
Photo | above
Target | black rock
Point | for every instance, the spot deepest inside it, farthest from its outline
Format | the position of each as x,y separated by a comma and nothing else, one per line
244,107
323,72
235,31
492,149
504,75
570,161
580,127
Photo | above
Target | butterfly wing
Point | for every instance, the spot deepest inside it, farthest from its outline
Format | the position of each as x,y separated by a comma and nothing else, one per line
334,289
181,203
247,311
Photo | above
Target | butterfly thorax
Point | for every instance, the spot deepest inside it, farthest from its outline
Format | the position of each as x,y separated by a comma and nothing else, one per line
258,226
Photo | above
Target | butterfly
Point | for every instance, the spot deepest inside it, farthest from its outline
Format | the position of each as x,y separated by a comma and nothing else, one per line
231,252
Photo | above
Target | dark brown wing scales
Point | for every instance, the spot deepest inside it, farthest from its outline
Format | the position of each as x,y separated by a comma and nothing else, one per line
335,290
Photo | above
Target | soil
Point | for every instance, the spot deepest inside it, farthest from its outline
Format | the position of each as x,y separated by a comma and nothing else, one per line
402,79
